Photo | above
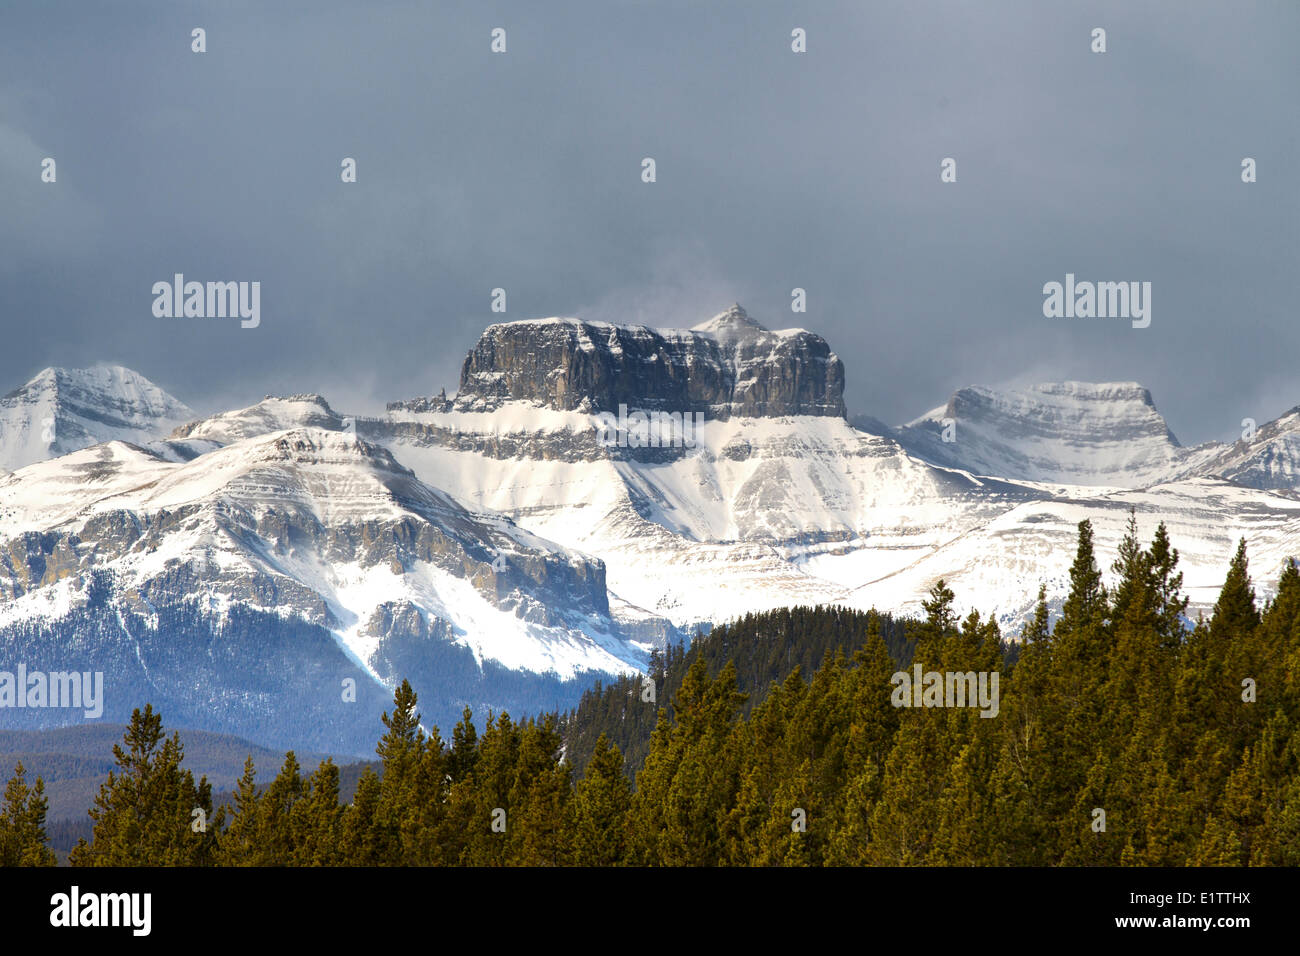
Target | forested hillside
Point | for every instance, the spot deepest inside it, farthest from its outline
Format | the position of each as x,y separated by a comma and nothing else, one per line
764,648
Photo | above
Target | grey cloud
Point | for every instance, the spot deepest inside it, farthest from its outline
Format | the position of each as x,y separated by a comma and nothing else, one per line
775,171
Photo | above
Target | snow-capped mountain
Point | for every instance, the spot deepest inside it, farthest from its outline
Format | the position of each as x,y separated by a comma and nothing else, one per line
1069,432
1270,459
771,509
185,581
541,527
727,366
1107,434
63,410
702,534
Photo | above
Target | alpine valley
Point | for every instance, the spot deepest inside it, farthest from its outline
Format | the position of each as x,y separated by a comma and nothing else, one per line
275,571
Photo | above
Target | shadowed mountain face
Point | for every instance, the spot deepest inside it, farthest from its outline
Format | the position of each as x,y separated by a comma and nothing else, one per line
727,366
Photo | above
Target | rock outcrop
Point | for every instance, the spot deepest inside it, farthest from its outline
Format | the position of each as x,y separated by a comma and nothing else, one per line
728,366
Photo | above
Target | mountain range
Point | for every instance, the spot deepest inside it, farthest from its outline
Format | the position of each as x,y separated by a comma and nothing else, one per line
239,570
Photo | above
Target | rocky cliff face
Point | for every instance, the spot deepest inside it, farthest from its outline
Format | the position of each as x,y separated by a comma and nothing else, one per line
240,587
728,366
1269,459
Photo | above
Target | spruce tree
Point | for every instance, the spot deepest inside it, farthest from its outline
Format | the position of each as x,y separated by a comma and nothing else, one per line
1167,581
601,806
358,843
144,814
540,798
237,843
316,819
22,823
401,751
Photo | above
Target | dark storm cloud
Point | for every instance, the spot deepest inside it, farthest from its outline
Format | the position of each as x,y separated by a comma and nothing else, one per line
775,170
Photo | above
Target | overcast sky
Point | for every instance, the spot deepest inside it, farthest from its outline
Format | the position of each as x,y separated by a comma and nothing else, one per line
775,170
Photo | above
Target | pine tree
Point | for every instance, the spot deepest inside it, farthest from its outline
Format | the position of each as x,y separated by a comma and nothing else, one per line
479,805
424,837
1218,657
400,751
358,844
1038,628
1086,603
464,747
1218,846
316,819
1019,782
1235,611
706,780
1131,565
905,820
539,800
691,776
237,842
145,813
775,747
939,615
601,806
647,820
22,823
1071,708
1167,582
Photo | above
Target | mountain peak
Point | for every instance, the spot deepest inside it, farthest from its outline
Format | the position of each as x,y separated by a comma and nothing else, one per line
731,322
1096,391
116,378
1107,433
65,409
272,414
729,365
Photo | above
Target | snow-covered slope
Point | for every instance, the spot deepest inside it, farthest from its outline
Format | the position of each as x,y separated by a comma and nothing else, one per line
310,526
63,410
1271,459
272,414
1107,434
997,567
1071,432
706,533
769,512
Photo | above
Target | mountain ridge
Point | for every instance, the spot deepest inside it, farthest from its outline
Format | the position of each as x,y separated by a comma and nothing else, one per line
493,548
1107,433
